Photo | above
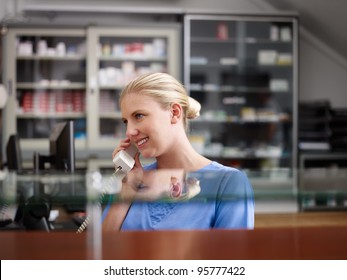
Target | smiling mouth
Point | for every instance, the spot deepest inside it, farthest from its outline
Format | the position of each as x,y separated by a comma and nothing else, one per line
142,141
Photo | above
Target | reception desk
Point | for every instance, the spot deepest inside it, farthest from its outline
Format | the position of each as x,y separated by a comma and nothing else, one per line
296,242
286,243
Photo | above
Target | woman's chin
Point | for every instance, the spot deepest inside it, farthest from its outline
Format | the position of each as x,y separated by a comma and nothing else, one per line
145,154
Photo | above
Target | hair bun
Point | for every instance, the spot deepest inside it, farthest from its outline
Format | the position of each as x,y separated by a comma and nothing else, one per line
194,107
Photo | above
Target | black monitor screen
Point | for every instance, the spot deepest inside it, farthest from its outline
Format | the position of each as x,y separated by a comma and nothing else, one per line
13,154
62,147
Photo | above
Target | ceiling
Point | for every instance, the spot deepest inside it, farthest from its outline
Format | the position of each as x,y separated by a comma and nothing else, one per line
326,20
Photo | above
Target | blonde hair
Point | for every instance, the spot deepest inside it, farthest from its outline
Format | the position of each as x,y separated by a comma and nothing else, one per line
166,90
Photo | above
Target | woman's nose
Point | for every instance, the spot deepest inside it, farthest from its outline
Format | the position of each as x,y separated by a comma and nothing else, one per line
131,131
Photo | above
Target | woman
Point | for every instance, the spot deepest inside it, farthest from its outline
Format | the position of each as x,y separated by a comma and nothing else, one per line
156,109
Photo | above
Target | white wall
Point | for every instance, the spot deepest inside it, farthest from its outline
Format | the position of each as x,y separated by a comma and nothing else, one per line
6,7
323,72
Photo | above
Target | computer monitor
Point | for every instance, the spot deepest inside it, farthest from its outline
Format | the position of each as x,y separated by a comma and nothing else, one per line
61,150
62,147
13,154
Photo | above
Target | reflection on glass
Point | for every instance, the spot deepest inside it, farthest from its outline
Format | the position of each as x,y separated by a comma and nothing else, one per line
164,184
318,189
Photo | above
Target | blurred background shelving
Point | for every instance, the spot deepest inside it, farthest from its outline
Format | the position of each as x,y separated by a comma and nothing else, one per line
243,70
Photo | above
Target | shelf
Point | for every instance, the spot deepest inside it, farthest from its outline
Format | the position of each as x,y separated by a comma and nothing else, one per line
271,183
243,156
248,40
111,115
51,86
111,87
131,58
53,115
234,153
236,89
30,144
229,120
52,58
236,65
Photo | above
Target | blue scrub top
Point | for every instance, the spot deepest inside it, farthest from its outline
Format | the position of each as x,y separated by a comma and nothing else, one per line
225,201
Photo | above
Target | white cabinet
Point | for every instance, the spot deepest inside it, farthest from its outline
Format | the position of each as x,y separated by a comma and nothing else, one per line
116,56
55,75
46,79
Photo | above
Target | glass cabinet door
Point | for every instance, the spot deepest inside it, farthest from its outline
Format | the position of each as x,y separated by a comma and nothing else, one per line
243,72
116,56
47,82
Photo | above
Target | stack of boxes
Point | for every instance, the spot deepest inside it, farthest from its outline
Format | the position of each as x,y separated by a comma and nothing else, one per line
53,102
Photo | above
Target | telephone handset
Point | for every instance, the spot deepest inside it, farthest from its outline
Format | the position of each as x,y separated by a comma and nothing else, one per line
124,161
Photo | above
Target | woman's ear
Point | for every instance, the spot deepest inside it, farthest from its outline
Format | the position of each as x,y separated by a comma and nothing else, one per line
176,112
175,188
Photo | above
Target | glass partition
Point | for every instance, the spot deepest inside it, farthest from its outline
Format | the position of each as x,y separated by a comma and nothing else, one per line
63,202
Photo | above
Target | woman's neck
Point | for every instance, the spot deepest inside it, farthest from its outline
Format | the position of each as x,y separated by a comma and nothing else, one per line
182,156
